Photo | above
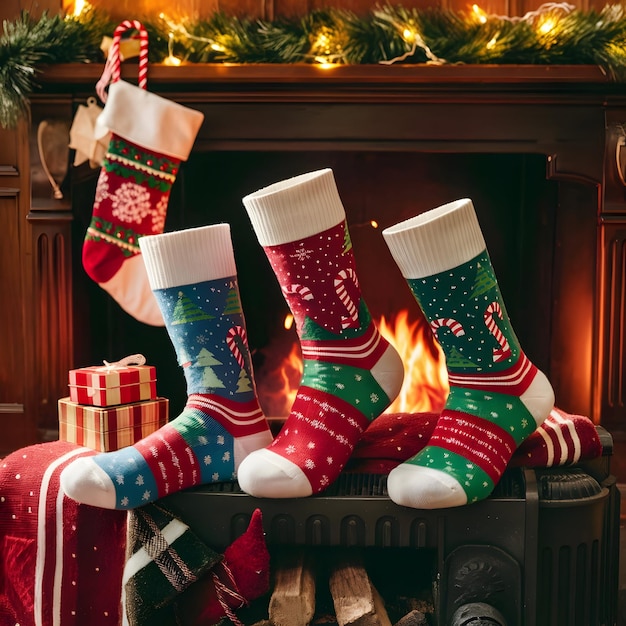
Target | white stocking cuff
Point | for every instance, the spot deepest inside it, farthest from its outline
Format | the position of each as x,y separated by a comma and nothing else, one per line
437,240
295,208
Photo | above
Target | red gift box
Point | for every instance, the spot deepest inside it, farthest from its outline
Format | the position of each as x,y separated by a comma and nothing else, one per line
114,383
110,428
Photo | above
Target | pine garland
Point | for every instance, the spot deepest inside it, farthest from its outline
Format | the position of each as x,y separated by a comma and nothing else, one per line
554,34
26,44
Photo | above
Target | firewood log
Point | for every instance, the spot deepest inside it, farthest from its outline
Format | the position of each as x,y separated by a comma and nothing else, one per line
356,600
293,599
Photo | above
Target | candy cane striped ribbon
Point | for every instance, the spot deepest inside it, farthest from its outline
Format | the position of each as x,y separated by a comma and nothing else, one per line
112,69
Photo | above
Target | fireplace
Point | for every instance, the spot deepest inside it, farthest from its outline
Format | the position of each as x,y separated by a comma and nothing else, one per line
517,207
535,150
533,147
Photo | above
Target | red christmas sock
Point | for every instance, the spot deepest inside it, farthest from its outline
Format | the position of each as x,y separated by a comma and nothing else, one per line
351,374
150,136
562,439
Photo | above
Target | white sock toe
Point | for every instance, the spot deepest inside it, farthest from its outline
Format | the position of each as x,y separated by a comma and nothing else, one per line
424,488
264,474
87,483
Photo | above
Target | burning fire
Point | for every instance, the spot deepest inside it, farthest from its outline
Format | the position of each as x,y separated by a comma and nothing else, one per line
425,386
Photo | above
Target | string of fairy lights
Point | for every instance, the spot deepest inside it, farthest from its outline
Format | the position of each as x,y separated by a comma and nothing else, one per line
554,34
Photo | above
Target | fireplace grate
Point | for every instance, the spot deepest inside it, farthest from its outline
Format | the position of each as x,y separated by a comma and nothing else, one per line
542,549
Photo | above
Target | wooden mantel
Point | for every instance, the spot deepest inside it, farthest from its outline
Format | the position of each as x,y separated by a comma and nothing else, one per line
572,114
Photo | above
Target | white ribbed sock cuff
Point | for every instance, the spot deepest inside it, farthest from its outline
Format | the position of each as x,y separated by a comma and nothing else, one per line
437,240
186,257
295,208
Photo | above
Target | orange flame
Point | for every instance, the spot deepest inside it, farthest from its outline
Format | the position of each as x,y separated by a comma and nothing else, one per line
425,386
277,389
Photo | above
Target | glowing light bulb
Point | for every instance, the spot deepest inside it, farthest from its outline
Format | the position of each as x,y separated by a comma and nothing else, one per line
491,43
408,35
479,14
547,25
288,322
322,41
170,59
217,47
373,223
77,7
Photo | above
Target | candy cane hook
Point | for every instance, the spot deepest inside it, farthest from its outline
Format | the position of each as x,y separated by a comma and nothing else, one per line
298,290
112,69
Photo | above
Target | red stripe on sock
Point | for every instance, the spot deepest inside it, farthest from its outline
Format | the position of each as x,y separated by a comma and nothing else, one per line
319,435
512,381
171,460
478,440
238,418
363,351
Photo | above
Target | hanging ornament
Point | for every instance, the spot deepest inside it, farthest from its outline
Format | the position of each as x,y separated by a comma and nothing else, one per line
83,139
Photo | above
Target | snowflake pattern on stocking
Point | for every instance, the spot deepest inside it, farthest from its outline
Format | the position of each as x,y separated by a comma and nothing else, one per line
130,203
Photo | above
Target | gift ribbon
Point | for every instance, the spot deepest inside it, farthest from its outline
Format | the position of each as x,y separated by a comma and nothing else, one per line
112,68
127,361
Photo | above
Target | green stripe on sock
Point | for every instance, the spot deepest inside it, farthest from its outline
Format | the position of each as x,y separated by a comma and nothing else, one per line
508,412
475,482
354,385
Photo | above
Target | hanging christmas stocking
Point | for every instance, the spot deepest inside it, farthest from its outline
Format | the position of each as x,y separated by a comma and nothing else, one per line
497,396
150,136
194,279
351,374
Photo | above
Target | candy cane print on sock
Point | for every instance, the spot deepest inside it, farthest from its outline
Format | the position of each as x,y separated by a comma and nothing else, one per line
347,276
504,350
446,322
194,279
351,374
497,396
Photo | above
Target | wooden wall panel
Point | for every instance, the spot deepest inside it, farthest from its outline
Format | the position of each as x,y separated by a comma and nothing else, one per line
12,314
17,426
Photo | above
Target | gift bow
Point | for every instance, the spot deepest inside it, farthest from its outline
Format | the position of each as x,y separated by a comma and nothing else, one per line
127,361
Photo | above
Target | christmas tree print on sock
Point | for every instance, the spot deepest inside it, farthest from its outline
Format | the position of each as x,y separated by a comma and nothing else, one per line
351,374
497,396
221,422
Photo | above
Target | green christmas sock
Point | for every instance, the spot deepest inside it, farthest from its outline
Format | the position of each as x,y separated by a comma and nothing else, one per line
497,396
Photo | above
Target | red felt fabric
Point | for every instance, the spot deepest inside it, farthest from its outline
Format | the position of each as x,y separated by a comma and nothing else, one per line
249,562
60,562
